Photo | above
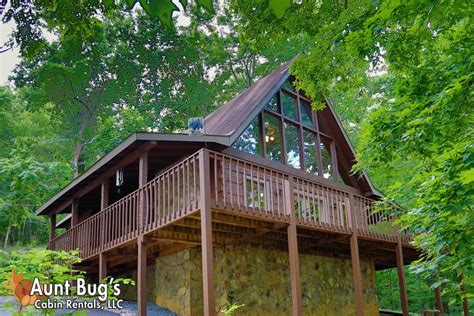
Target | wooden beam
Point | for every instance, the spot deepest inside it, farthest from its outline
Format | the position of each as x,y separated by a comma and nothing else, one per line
356,275
52,228
143,169
74,213
206,234
293,250
142,180
141,276
401,277
355,260
104,194
102,266
107,174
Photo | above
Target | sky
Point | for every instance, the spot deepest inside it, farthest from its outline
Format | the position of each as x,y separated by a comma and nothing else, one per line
10,58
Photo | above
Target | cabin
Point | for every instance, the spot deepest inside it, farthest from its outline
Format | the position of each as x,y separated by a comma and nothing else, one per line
259,209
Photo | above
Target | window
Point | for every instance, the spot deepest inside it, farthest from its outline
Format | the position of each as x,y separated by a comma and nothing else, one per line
272,105
249,141
291,135
273,138
288,105
306,114
326,159
292,145
310,153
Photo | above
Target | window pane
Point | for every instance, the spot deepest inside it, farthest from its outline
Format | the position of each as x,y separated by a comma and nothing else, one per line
328,168
249,141
310,153
306,117
272,138
272,104
288,103
288,86
292,145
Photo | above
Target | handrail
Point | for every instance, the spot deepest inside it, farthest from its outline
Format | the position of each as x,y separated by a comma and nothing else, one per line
171,194
237,185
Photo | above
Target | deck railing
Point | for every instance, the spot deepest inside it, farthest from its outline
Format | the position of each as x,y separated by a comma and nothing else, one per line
170,195
236,185
248,187
258,190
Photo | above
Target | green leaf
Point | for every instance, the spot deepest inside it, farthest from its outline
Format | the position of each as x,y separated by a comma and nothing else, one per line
162,9
207,4
184,3
279,7
131,4
467,176
108,4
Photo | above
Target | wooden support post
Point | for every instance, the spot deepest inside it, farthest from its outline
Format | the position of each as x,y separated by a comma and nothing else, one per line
143,169
142,180
206,234
102,266
356,275
104,194
355,260
52,228
401,277
141,276
293,250
74,213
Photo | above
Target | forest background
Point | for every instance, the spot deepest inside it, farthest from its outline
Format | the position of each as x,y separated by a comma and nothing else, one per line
399,76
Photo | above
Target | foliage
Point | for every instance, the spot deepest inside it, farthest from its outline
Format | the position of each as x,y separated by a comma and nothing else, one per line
420,295
423,123
231,308
46,265
32,168
398,73
66,17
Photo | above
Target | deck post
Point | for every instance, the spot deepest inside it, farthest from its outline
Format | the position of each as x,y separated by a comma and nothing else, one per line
401,277
104,194
293,250
102,266
142,180
206,234
74,213
141,276
52,228
355,261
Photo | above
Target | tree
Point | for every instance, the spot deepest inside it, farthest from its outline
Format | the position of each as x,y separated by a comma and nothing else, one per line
422,127
32,168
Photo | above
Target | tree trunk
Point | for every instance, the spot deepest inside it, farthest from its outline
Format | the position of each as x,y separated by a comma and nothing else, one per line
7,236
79,145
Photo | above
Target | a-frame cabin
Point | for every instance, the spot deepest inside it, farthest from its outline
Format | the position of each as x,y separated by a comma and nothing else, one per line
261,209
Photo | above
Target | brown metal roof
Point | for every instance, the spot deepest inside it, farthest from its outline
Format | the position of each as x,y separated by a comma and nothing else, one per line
227,119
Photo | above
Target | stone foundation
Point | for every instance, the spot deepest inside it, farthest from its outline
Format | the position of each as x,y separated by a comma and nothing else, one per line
259,279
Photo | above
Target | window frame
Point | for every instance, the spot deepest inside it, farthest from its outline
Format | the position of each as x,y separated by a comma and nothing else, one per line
281,118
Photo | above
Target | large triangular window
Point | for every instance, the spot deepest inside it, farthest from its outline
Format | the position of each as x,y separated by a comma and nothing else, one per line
287,131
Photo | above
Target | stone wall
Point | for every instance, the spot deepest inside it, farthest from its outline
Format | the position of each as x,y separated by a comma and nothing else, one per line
260,280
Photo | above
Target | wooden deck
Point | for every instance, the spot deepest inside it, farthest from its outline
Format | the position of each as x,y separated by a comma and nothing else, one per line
238,188
210,199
